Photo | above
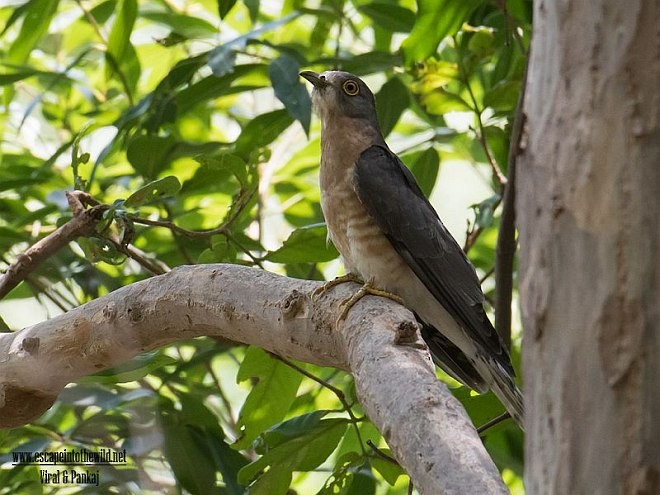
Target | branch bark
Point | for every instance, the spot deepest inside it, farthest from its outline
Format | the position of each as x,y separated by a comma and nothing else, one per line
82,224
425,426
506,239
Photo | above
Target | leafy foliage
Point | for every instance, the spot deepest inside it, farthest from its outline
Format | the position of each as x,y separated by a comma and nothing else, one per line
189,121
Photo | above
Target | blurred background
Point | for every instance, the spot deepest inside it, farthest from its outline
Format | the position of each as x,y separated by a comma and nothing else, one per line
189,120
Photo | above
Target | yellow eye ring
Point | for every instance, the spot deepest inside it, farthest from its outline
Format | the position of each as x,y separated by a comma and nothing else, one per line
350,87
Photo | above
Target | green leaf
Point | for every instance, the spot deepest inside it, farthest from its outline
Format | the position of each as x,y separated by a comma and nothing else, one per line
38,14
194,412
149,155
363,483
503,97
270,398
485,210
13,77
435,20
223,58
231,163
272,482
4,328
188,455
392,99
288,430
261,131
167,186
425,168
188,26
136,368
120,35
286,83
305,245
301,453
388,470
224,6
390,17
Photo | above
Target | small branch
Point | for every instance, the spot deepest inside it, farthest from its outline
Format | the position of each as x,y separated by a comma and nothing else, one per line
338,393
83,224
221,230
481,132
472,234
381,454
506,240
154,266
492,422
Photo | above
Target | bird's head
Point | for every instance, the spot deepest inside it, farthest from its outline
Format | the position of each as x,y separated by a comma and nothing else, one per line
339,94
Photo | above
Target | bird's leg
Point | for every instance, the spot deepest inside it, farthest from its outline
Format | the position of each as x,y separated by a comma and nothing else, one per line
349,277
366,289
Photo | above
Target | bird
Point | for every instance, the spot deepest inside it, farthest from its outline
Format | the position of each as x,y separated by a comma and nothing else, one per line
391,238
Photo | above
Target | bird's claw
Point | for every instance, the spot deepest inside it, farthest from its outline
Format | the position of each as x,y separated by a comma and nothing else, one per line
349,277
366,289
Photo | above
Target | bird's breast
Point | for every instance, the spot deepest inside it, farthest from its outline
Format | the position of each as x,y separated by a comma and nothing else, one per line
363,246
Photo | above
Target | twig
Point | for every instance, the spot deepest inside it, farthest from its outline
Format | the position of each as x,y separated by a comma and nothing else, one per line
175,228
339,393
229,417
83,224
511,25
506,240
471,235
492,422
481,133
156,267
382,454
486,275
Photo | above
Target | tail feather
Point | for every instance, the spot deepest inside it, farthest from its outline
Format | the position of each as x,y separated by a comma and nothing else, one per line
481,372
502,384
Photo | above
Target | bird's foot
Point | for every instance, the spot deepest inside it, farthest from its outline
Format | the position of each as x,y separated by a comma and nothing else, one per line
349,277
366,289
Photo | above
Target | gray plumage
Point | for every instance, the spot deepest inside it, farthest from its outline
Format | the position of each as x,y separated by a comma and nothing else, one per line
387,231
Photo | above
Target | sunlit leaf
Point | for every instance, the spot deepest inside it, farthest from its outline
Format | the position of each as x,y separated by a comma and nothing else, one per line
435,20
301,453
261,131
224,6
120,35
271,396
305,245
391,17
37,15
150,154
388,470
157,189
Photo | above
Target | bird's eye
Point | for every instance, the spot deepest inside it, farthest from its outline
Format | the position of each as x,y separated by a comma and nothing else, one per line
351,88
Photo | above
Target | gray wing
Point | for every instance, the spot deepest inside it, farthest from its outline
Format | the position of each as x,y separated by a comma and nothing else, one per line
389,192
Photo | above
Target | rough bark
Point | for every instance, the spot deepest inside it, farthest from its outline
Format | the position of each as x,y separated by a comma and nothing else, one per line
588,209
427,429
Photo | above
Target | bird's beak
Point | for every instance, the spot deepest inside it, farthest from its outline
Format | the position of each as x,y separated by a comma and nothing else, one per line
314,78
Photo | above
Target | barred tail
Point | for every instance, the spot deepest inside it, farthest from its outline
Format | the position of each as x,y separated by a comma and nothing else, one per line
502,384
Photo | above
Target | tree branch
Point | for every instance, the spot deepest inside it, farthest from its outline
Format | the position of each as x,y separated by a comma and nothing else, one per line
506,239
82,224
427,429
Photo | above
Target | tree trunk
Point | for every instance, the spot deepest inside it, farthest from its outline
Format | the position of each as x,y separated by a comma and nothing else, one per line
588,209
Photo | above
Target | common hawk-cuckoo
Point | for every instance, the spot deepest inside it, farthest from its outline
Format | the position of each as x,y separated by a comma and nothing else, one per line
389,235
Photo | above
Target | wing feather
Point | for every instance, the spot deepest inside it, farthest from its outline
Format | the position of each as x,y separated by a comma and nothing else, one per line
390,194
